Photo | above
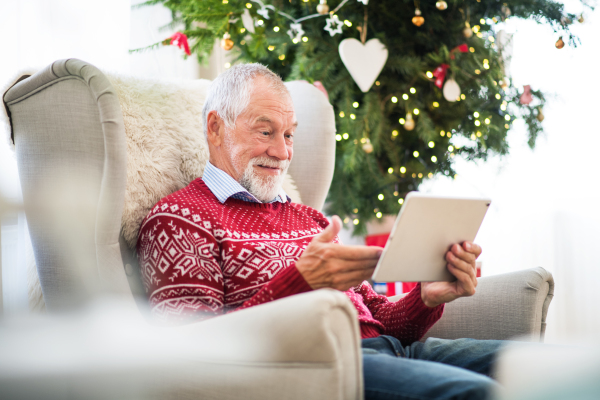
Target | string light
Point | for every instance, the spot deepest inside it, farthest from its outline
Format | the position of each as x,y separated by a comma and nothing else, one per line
476,114
434,159
413,90
355,104
476,28
379,214
225,1
442,133
491,39
477,71
506,126
436,104
415,154
420,175
402,121
473,137
271,48
477,123
414,175
355,221
416,111
402,170
355,210
400,201
276,28
430,175
449,134
405,96
346,220
429,74
507,117
431,144
478,134
482,21
352,116
450,148
260,22
282,57
462,96
248,5
242,30
390,170
377,83
342,115
363,140
472,49
394,99
487,121
498,96
380,196
503,107
395,193
305,39
338,137
294,40
227,65
394,133
347,23
345,136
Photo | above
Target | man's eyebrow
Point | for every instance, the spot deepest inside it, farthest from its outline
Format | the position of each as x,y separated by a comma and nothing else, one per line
264,118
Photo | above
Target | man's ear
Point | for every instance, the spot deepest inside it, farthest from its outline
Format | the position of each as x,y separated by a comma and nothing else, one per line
214,129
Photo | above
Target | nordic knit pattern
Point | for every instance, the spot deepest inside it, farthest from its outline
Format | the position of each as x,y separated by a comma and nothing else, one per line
200,258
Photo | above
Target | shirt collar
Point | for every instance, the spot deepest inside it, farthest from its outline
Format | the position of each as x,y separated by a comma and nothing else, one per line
223,186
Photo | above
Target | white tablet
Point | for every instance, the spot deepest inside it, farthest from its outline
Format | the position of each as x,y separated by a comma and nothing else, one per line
426,227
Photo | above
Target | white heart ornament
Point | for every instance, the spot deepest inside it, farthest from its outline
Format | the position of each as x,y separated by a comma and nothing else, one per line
363,61
248,21
451,90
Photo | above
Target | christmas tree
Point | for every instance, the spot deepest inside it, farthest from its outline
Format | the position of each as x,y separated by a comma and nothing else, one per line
442,92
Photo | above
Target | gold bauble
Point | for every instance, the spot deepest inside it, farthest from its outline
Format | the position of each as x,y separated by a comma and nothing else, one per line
409,125
441,5
581,19
559,43
367,147
323,8
418,20
467,32
540,115
226,42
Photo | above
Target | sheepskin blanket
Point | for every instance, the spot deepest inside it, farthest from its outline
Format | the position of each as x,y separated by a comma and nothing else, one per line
166,148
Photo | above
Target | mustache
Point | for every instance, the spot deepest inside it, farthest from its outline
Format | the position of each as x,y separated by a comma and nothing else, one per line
269,162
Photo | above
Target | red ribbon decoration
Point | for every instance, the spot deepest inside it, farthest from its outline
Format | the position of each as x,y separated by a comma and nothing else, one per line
440,74
526,97
180,40
463,48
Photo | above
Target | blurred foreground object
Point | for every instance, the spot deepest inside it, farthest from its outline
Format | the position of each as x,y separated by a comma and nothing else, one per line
84,186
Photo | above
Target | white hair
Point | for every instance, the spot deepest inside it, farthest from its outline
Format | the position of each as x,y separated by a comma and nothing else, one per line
229,94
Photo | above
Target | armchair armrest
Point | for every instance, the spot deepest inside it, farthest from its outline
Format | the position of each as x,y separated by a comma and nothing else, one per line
504,307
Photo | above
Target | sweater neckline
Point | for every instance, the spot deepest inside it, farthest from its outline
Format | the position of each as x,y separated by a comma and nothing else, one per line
268,207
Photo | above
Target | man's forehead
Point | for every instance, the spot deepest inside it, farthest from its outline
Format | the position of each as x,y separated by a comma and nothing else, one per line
266,118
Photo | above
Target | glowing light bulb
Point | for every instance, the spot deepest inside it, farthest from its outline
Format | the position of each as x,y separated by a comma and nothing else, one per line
248,5
442,133
462,96
271,48
227,65
276,28
394,99
416,111
380,197
305,39
347,23
472,49
476,114
390,170
355,221
433,158
420,175
345,136
415,154
413,90
405,96
282,57
436,104
473,137
342,115
450,148
401,201
431,145
402,121
477,123
394,133
429,74
402,170
355,104
507,117
379,214
487,121
478,134
498,96
352,116
338,137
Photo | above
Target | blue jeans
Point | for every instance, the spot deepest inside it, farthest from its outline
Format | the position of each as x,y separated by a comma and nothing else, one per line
436,369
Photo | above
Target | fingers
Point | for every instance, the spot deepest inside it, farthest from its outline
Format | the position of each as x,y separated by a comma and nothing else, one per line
346,281
468,283
459,252
354,252
472,248
330,232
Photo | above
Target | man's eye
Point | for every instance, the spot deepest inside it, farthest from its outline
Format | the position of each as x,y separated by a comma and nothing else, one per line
265,133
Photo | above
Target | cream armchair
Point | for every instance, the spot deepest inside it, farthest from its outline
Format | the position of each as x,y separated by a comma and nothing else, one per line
72,150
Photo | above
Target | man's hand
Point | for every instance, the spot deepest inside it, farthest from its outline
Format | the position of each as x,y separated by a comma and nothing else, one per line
332,265
461,264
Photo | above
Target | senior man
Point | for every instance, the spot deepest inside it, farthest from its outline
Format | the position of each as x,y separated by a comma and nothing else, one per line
232,239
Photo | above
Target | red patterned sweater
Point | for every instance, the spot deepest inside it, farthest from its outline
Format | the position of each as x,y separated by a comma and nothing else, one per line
200,258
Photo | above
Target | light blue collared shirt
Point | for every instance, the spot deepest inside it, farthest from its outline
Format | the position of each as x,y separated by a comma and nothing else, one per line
223,186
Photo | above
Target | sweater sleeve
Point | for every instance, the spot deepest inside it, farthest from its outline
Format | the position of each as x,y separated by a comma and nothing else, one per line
183,278
407,319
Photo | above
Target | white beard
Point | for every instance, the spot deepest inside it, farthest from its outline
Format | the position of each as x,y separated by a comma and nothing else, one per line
264,187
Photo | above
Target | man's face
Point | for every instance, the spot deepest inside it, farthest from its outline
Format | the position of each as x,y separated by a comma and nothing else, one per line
258,150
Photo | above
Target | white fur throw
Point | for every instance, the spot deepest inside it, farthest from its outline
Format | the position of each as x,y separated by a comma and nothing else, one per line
166,148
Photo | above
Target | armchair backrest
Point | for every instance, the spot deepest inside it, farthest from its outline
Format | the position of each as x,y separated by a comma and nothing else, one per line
71,146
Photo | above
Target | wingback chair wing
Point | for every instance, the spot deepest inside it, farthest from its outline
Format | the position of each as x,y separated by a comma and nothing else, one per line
68,127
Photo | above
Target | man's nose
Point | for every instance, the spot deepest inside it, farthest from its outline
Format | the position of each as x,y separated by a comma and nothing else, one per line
278,148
